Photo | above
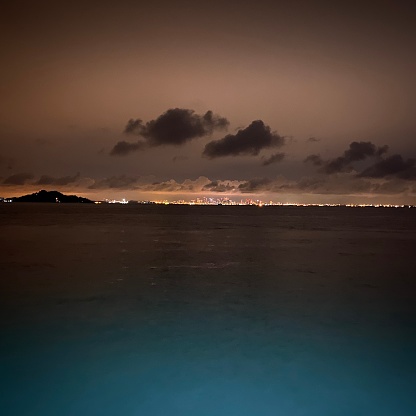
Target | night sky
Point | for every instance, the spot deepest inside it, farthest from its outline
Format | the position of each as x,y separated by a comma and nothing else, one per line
285,100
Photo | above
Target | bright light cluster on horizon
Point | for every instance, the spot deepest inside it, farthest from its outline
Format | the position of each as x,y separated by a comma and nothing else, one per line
225,201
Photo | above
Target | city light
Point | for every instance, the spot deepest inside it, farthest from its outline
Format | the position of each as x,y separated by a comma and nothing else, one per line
226,201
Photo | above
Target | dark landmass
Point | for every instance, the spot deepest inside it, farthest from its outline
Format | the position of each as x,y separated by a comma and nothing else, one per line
51,196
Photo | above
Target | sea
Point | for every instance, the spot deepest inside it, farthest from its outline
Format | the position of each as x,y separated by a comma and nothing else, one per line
153,310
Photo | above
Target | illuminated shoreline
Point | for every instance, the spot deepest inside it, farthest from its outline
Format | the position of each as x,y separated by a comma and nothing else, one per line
247,202
225,201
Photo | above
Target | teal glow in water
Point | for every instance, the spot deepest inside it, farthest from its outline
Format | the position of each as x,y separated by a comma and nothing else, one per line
167,311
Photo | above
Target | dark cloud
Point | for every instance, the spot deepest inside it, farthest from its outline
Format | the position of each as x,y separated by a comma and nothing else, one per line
62,181
393,165
124,148
341,184
351,184
18,179
336,165
188,185
361,150
248,141
134,126
213,121
275,158
142,184
382,150
116,182
176,126
315,160
219,186
356,152
255,185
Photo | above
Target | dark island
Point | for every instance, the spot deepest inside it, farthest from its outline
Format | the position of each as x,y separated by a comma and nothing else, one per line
51,196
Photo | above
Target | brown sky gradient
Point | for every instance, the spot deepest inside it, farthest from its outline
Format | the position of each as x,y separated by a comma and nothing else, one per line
74,73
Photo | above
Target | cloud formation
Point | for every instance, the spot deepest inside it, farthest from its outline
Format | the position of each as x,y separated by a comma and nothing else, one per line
255,185
342,184
62,181
315,160
221,186
176,126
116,182
188,185
390,178
18,178
142,184
384,166
248,141
356,152
393,165
275,158
123,148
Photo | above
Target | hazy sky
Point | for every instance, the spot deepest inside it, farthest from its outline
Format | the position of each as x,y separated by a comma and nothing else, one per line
301,101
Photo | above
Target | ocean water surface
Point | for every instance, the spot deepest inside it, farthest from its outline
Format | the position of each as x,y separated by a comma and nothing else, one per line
209,311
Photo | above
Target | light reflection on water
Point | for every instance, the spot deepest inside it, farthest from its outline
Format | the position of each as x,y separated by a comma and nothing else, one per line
175,311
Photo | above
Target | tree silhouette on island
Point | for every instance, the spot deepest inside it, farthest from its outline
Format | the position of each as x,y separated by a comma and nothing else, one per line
51,196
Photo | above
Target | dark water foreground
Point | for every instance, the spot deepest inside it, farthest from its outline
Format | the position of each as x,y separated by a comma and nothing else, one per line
207,311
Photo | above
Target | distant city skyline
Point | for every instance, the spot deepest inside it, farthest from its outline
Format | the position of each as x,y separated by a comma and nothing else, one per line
207,200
